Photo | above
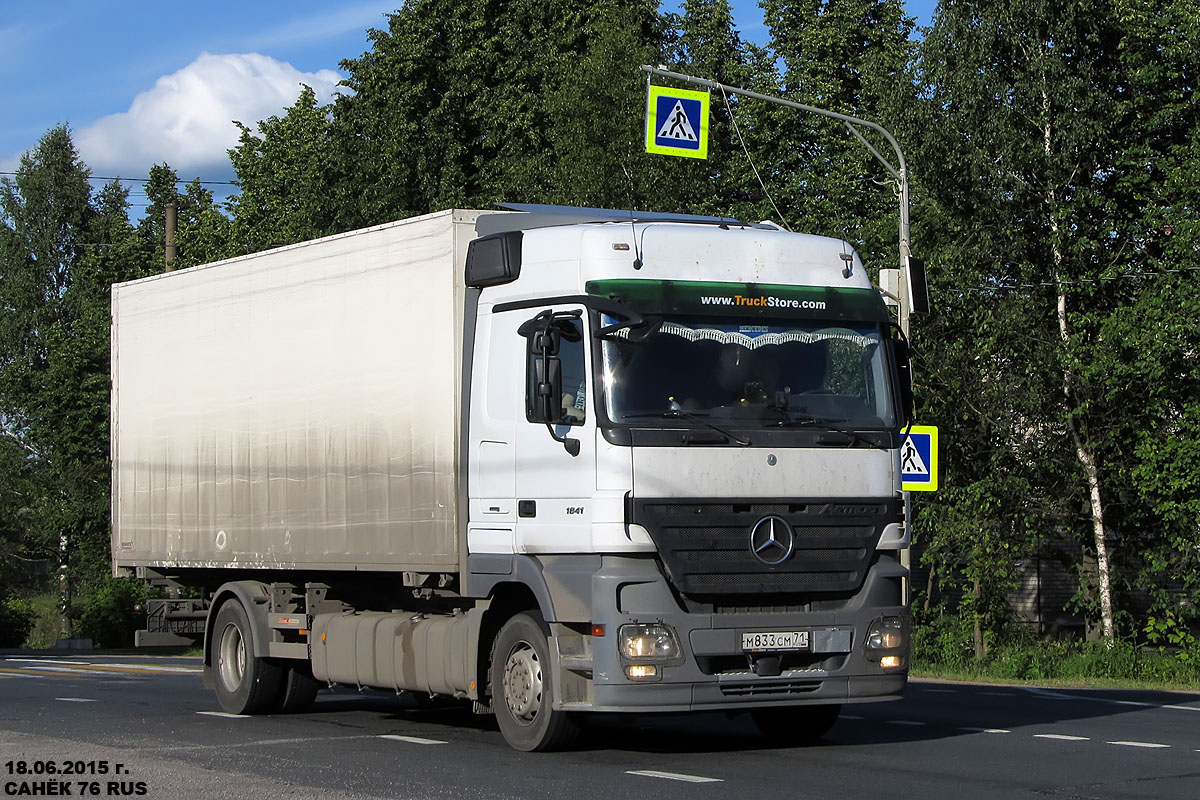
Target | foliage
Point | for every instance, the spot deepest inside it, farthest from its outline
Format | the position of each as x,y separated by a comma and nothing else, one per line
60,250
1043,189
285,173
849,57
942,640
110,611
16,620
46,624
1088,663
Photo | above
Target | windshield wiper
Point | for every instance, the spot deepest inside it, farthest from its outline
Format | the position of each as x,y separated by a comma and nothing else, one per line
680,414
688,415
833,425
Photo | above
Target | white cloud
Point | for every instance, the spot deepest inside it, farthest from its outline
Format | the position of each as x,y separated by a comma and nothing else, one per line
186,120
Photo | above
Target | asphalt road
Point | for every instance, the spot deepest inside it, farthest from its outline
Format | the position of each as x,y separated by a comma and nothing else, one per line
153,718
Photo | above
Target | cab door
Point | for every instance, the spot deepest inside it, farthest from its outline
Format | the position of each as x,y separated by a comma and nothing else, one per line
554,458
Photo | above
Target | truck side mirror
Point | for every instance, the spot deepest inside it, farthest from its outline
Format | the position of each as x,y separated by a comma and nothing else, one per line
544,392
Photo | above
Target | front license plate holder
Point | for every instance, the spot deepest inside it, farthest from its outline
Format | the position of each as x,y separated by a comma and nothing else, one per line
776,641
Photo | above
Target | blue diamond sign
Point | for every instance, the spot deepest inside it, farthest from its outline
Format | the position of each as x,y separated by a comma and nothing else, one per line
919,459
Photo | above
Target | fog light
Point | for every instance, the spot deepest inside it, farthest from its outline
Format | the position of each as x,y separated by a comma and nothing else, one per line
889,662
655,641
635,671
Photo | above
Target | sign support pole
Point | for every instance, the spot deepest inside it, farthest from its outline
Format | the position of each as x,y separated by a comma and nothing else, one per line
899,171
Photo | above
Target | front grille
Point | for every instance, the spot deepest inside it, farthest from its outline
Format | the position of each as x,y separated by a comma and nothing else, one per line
705,545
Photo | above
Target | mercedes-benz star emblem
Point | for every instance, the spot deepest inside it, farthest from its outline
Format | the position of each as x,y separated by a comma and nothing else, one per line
772,540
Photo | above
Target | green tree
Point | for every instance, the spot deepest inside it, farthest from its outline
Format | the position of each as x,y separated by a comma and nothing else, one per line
1045,173
60,249
708,45
285,173
852,57
468,105
46,220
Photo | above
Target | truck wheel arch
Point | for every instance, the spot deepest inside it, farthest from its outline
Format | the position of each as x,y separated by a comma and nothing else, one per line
251,594
505,601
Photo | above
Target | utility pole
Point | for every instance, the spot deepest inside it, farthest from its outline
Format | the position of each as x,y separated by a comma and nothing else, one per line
172,218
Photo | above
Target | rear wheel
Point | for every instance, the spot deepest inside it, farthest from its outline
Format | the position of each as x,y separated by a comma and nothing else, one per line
522,681
244,684
796,724
299,689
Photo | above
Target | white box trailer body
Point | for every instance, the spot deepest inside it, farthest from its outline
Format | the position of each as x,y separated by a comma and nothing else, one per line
298,408
355,448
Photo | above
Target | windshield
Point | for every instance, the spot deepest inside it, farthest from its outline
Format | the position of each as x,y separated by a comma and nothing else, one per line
762,374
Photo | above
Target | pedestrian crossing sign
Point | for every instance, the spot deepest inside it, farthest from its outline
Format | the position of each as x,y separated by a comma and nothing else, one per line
677,122
919,459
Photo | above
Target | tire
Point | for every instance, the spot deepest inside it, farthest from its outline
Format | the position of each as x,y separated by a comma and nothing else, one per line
245,684
796,724
299,690
522,683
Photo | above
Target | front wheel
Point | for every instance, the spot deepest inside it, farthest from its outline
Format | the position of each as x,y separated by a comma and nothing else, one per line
522,681
245,684
796,724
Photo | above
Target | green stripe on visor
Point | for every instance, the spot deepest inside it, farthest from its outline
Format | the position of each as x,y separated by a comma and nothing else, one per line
744,299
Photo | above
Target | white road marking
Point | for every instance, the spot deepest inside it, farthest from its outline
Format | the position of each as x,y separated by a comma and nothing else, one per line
849,716
1055,695
673,776
998,694
76,699
411,739
1135,703
1141,744
224,714
1061,737
48,661
940,691
911,722
984,730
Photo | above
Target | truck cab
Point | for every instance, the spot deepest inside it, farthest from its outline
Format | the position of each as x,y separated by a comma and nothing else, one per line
689,432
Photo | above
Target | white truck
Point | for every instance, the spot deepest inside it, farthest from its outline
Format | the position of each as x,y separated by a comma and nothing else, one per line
547,460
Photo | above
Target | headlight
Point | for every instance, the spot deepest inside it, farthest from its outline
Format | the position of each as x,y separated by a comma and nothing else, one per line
655,642
885,635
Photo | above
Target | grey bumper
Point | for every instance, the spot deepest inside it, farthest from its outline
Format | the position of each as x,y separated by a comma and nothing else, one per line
714,673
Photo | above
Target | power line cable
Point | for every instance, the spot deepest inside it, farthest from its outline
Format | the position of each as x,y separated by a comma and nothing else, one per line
146,180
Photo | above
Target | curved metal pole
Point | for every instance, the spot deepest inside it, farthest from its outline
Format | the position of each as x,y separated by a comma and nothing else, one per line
900,172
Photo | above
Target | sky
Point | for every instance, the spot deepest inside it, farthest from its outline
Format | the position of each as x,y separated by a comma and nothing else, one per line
140,83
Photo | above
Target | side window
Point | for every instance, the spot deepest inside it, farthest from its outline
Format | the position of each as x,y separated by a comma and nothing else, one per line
571,408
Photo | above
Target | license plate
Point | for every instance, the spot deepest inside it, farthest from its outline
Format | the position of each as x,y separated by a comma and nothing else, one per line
775,640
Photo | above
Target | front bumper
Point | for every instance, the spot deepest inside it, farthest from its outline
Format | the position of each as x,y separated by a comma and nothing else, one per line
713,672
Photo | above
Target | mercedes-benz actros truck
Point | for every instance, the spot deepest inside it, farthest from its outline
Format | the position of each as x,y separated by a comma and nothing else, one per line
549,461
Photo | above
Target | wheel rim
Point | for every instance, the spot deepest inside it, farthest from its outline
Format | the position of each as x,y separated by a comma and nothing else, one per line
523,683
231,658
